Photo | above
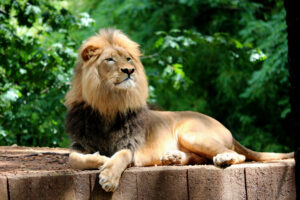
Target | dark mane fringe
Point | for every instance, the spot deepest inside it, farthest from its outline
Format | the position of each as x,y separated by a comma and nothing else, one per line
90,132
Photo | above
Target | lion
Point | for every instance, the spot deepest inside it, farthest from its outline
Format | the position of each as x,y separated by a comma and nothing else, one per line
111,127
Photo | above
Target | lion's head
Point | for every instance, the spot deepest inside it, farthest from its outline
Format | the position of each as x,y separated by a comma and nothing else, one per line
109,75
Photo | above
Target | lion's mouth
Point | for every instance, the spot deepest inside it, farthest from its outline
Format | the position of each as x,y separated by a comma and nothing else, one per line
126,79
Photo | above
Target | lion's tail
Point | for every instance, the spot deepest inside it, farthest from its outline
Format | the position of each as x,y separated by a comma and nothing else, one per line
259,156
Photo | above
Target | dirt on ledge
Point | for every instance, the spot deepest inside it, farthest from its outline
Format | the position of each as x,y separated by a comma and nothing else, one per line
18,160
15,159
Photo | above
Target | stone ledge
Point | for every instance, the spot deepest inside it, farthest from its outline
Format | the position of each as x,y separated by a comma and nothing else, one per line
271,180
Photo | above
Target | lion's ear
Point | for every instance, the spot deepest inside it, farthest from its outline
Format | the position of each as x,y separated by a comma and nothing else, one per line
89,52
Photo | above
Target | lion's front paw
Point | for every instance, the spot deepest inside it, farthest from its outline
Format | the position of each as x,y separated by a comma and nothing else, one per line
109,179
174,157
228,158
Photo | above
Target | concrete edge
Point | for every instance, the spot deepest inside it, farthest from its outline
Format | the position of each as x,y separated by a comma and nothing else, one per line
4,188
270,180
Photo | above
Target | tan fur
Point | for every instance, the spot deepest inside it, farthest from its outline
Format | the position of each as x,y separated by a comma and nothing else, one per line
90,77
87,161
173,137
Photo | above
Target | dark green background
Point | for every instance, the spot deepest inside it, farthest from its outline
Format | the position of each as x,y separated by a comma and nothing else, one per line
224,58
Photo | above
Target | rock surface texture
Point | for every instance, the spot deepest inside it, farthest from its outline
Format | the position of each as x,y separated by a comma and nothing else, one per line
44,173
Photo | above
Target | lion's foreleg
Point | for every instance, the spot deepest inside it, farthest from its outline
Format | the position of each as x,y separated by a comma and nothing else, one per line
112,170
79,160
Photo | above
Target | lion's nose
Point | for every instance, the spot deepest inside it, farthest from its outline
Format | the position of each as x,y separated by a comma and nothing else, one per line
127,70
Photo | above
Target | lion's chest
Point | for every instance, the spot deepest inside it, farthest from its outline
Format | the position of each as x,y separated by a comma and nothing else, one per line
89,129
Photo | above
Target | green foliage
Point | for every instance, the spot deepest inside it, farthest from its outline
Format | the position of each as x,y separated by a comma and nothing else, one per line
214,72
223,58
34,71
227,59
272,77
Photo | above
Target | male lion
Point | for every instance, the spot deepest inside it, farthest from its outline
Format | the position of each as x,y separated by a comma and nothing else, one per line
108,113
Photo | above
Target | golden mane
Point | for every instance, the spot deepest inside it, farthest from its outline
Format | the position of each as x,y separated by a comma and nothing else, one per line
88,85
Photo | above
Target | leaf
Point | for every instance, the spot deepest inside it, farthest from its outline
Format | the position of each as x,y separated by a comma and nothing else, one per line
285,112
12,95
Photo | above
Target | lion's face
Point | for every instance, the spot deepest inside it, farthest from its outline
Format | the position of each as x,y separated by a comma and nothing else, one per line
109,76
118,69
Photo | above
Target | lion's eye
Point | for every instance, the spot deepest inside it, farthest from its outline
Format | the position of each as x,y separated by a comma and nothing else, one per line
128,59
109,59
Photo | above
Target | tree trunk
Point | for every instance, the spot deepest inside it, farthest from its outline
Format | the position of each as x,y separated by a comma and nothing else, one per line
293,25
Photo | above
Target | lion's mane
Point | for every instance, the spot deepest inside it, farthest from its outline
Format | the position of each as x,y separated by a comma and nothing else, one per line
101,117
87,86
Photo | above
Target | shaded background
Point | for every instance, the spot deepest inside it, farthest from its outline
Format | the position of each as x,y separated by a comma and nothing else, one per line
224,58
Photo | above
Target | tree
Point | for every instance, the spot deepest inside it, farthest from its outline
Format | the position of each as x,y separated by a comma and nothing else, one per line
37,58
227,59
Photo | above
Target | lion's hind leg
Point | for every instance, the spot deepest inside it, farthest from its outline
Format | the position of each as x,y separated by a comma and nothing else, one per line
177,157
228,158
209,148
